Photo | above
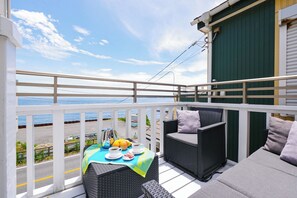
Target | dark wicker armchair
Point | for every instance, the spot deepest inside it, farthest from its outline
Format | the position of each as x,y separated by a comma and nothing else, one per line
202,153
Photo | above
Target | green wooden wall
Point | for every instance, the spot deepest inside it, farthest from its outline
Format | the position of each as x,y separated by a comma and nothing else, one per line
244,48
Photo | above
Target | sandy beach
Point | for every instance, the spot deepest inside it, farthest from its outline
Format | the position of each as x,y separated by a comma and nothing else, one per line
44,134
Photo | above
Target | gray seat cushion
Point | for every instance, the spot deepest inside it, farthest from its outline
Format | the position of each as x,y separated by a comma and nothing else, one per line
272,160
190,139
256,180
216,189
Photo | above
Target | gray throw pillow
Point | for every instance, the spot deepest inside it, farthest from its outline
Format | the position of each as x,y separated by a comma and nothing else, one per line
188,121
277,135
289,153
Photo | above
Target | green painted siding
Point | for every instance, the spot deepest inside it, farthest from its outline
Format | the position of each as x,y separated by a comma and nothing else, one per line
244,48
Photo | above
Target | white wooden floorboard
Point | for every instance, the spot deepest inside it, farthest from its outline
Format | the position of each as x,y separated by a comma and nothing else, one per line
169,174
177,182
161,161
164,167
174,180
188,190
71,192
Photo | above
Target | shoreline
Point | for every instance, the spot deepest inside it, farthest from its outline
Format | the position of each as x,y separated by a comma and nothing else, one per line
66,122
44,134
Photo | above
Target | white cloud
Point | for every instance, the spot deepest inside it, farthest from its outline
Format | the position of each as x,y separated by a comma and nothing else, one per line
191,73
81,30
171,41
141,62
103,42
164,26
76,64
106,69
79,39
44,38
93,55
101,73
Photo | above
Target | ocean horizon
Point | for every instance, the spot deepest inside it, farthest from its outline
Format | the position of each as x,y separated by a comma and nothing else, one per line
48,119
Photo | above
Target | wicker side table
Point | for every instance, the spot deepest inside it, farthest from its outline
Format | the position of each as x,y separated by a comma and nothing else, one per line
116,181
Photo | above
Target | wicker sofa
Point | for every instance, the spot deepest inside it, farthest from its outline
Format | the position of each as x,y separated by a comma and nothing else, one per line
205,151
261,175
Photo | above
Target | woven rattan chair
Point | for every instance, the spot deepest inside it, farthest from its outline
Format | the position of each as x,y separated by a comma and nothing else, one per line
200,154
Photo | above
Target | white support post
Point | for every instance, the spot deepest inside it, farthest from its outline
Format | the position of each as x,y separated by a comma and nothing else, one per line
30,156
115,120
243,134
153,129
209,63
170,113
162,117
225,119
268,115
2,8
282,62
58,150
128,124
82,138
9,39
100,127
142,126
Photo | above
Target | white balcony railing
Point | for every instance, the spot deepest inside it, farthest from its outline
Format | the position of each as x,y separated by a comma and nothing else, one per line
56,86
58,112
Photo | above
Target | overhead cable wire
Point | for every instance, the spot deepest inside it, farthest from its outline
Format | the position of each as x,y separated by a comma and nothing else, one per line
172,61
168,65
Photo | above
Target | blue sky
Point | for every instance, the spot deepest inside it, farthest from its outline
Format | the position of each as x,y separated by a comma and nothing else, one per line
110,38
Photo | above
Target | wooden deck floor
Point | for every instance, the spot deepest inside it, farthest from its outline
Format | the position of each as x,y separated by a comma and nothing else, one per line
174,180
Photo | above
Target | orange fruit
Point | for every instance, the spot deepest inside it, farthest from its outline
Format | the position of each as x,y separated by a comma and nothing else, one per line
116,143
124,145
129,143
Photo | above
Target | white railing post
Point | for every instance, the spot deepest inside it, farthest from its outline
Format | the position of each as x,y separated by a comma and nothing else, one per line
153,129
58,150
162,117
10,38
30,156
225,119
82,138
243,134
170,113
268,115
128,124
142,126
115,120
100,127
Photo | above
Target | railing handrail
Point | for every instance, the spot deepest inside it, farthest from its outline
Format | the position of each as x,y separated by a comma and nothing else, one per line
70,108
82,77
204,90
251,80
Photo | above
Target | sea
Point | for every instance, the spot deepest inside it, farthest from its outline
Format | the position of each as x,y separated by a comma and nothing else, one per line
48,119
